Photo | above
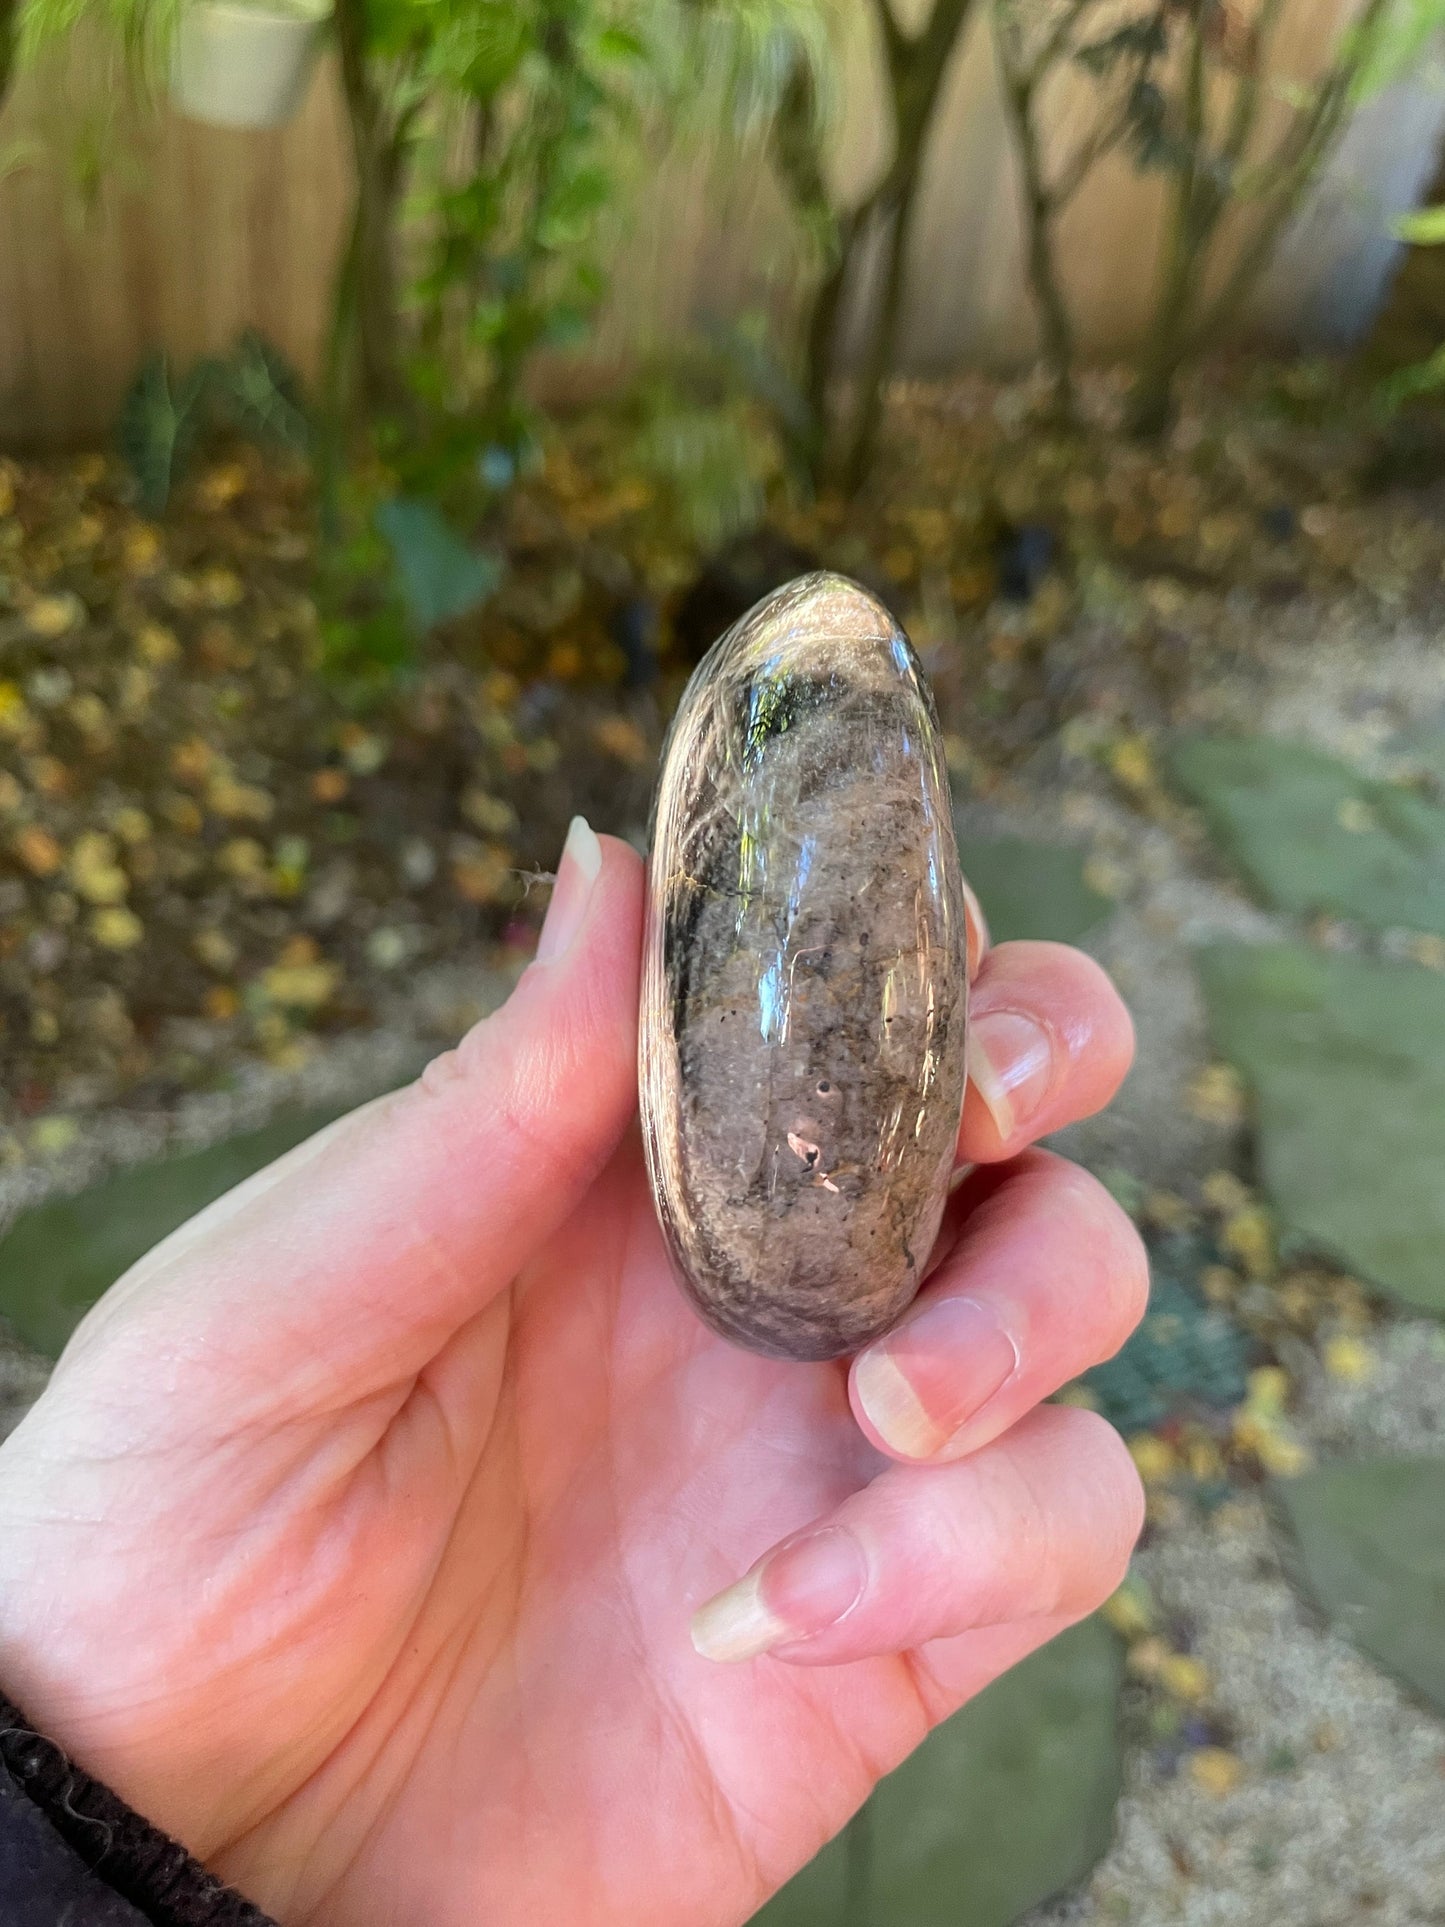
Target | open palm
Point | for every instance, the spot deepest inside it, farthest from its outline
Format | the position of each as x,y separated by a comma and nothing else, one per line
358,1536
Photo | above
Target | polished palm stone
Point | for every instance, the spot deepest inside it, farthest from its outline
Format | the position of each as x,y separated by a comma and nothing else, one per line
804,977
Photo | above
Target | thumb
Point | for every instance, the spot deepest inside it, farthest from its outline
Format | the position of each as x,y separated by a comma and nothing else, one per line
354,1258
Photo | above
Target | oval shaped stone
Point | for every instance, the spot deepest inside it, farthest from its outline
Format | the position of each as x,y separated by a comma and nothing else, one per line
804,976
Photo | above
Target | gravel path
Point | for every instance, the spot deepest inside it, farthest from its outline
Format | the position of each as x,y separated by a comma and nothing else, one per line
1337,1819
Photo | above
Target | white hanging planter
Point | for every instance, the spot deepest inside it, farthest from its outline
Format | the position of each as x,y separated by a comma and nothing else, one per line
239,64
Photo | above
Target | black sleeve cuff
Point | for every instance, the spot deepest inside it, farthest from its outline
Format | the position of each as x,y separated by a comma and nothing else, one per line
71,1851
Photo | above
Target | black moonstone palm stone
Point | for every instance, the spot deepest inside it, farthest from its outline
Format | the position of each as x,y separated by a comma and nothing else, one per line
804,1006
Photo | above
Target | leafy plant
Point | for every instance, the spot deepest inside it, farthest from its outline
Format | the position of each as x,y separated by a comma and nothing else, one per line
710,449
916,64
1036,47
1182,86
252,393
257,393
495,126
1205,134
160,423
440,576
1425,228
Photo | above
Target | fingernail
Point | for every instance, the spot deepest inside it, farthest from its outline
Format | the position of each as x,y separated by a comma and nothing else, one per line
923,1383
1011,1066
976,916
798,1591
576,873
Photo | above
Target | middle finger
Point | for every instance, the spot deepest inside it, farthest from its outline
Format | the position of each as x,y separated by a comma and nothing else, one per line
1046,1278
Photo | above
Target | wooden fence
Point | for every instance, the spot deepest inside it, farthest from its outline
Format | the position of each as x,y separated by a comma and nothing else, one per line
122,231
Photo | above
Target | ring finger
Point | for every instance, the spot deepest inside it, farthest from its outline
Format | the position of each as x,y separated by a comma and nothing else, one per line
1046,1277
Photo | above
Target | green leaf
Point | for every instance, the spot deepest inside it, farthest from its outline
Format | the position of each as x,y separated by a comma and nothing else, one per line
1369,1550
1008,1802
1313,835
1425,377
159,425
259,394
1425,228
1032,889
439,575
1346,1062
58,1257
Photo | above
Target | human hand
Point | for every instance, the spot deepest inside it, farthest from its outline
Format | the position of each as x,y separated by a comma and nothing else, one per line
357,1537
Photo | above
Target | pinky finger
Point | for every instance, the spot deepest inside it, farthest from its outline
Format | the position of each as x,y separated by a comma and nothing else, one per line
1037,1526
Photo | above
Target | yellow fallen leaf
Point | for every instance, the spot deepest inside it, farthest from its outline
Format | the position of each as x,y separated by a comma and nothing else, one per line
116,928
1346,1358
1222,1191
157,644
481,875
1131,763
52,1135
1216,1095
1219,1284
39,851
1356,816
140,552
243,858
91,718
1129,1610
220,486
1282,1455
1184,1677
330,785
192,760
565,662
302,986
238,802
220,587
1215,1770
1106,877
1267,1391
132,826
621,737
1153,1459
94,873
1202,1457
493,815
1148,1657
214,949
52,616
1426,948
1249,1236
221,1003
1168,1211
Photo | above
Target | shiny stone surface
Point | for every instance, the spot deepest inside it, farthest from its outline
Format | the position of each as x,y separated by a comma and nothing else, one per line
804,978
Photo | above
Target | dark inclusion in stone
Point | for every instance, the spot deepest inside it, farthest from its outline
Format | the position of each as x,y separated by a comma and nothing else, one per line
804,979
